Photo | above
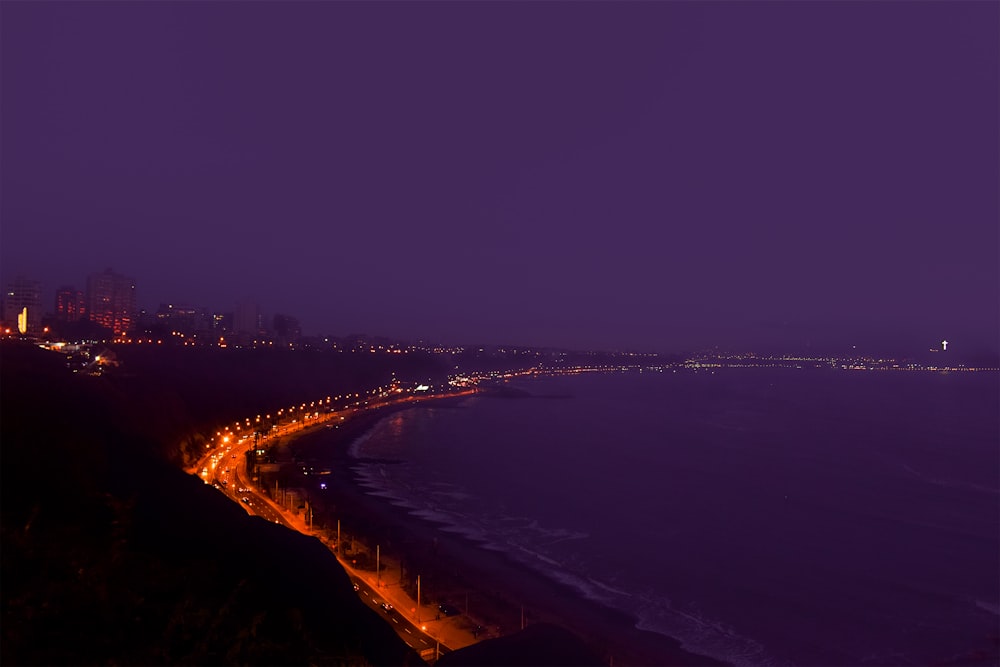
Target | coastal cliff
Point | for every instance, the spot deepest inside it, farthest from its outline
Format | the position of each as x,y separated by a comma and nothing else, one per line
112,555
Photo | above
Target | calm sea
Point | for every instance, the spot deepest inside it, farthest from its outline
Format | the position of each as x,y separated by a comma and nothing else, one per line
761,516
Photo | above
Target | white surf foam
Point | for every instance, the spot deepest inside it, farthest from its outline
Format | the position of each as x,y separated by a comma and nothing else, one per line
991,607
529,542
702,635
354,449
950,483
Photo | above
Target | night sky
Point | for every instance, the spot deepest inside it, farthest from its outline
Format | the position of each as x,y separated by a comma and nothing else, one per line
655,176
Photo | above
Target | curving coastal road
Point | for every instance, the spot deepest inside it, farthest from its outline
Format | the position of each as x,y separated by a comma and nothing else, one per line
225,468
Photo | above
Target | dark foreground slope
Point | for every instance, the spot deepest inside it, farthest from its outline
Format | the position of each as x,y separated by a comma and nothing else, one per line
546,644
111,555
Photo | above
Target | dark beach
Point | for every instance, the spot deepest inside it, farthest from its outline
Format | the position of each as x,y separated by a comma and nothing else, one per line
458,571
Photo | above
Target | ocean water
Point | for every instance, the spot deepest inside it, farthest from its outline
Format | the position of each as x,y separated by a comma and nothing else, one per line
760,516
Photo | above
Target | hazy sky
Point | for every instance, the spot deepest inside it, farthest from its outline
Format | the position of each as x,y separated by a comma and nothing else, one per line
642,175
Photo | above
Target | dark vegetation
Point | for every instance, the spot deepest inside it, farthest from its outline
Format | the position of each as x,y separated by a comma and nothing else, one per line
176,394
112,555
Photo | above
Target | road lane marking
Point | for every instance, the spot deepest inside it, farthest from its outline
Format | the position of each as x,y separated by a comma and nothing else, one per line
407,631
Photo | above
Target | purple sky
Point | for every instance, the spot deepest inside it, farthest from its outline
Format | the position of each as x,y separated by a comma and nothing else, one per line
647,175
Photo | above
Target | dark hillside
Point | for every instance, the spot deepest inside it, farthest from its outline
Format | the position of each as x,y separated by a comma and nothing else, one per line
111,555
547,645
174,393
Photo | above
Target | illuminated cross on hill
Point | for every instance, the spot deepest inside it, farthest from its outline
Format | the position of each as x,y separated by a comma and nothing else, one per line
944,345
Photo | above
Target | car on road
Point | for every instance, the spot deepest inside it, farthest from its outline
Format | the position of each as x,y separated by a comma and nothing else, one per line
356,587
245,499
386,606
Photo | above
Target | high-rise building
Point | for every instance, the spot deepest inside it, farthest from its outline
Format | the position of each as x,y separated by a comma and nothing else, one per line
286,328
111,301
23,297
222,322
182,318
246,318
71,305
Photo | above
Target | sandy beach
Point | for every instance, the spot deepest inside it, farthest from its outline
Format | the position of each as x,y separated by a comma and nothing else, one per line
492,592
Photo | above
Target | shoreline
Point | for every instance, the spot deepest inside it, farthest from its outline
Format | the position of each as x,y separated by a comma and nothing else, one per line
455,569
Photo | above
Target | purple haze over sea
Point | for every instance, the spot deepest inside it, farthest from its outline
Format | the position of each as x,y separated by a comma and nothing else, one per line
759,516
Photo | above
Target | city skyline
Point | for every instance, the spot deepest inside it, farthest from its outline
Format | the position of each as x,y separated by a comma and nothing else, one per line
248,319
589,176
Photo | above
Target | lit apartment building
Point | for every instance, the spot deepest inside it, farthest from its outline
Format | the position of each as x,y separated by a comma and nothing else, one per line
71,305
111,301
23,294
182,318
